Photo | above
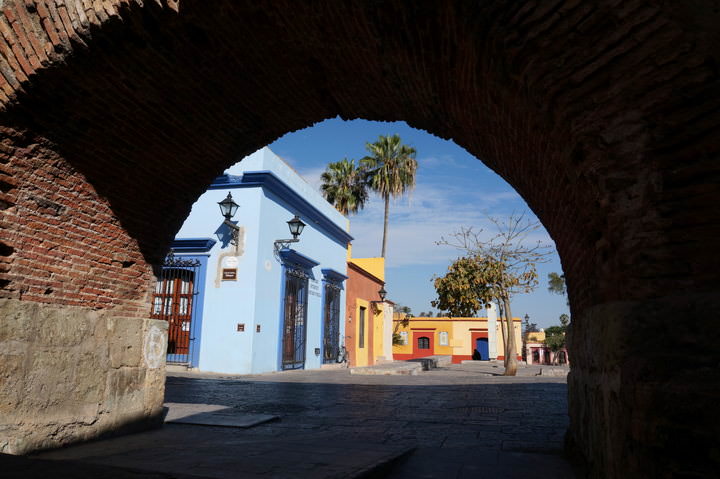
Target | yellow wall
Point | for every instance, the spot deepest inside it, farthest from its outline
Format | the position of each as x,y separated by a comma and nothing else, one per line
361,354
459,334
374,266
537,337
456,328
500,345
373,315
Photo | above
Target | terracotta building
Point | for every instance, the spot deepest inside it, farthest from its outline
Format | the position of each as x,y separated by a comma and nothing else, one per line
368,339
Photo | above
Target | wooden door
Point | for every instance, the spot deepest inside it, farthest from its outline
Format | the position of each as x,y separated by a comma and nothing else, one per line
173,302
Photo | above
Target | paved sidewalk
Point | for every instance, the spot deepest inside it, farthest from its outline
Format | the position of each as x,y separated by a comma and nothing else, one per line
461,421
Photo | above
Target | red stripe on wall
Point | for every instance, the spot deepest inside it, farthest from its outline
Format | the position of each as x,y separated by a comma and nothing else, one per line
458,358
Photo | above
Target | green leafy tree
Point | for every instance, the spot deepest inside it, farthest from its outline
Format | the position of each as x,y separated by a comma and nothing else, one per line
556,283
555,335
493,270
391,168
343,185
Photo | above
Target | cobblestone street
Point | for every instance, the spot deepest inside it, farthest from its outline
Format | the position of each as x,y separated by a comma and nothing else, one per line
459,421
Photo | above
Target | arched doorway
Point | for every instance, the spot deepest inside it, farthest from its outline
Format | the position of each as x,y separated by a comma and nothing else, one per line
610,137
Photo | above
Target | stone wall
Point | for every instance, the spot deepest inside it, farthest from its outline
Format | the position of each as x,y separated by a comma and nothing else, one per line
71,374
650,370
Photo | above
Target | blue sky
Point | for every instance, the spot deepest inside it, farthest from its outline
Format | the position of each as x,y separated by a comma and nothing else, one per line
453,189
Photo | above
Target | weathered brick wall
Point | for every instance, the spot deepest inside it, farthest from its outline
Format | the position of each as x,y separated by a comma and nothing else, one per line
603,115
63,244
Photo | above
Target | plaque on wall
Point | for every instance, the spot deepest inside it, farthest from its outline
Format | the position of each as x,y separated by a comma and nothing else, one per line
229,274
230,262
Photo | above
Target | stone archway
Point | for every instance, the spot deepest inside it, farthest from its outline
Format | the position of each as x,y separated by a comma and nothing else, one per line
604,117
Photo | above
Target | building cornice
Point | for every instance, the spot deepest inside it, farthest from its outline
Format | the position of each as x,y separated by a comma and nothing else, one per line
333,276
302,207
365,273
192,245
292,257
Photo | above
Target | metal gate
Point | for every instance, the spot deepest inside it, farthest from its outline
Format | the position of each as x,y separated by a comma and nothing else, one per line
294,319
174,301
331,330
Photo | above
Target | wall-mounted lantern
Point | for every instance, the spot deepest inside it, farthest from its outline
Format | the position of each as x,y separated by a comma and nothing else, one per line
382,293
228,208
296,227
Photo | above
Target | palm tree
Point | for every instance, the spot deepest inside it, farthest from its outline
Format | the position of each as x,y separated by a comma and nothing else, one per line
391,168
343,185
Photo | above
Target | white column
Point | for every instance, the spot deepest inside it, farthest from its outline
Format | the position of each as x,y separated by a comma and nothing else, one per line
387,330
492,331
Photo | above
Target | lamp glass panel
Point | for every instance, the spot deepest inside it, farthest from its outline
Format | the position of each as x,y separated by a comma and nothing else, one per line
296,226
228,207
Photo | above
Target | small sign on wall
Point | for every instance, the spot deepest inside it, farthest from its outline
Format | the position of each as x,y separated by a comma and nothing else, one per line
314,287
229,274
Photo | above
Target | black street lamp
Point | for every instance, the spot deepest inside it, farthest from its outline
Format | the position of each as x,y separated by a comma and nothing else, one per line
382,293
228,208
296,227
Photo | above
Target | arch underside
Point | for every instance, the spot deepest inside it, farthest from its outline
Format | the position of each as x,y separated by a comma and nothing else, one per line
604,117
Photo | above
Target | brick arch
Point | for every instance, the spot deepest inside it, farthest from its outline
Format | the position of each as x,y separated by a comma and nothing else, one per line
603,117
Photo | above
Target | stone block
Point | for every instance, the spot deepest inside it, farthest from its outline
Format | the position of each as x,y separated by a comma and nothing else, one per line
80,375
126,341
395,368
553,371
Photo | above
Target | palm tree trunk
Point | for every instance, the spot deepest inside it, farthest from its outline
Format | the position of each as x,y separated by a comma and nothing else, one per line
511,350
385,225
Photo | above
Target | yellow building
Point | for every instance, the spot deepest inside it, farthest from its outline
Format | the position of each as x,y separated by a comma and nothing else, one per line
456,337
368,323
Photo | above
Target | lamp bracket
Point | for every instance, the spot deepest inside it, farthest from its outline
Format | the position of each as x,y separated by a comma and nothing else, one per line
231,224
284,243
234,231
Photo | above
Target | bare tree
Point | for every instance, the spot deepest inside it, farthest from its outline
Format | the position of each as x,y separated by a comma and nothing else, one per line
505,265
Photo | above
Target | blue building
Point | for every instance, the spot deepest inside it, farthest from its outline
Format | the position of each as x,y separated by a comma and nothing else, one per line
241,294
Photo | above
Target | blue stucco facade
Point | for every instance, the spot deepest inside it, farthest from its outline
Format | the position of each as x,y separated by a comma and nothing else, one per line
269,193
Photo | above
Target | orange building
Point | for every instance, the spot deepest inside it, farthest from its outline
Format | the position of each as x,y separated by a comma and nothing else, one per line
367,338
456,337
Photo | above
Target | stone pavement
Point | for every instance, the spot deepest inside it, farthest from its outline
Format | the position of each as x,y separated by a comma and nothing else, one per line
461,421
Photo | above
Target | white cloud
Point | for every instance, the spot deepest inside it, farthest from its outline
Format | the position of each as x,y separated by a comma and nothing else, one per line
421,218
415,225
311,176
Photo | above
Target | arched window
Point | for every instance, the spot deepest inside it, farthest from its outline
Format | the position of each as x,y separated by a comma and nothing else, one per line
424,342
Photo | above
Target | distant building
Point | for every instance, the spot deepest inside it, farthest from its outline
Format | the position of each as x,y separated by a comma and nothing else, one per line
456,337
368,326
253,307
537,352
